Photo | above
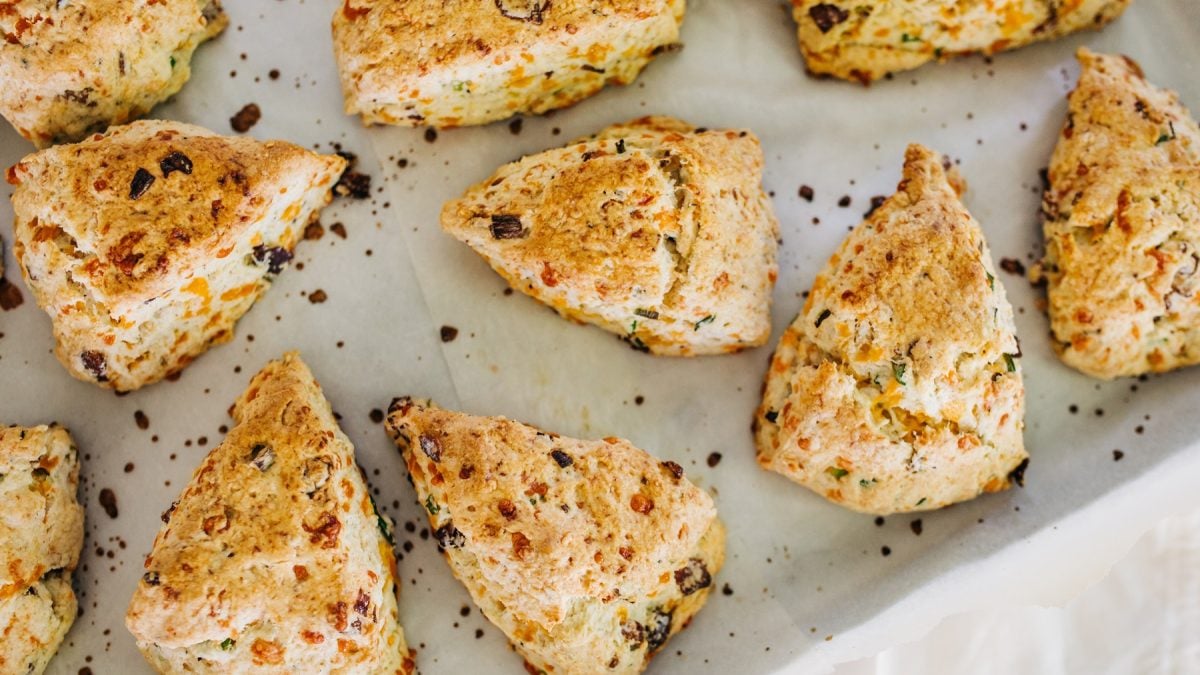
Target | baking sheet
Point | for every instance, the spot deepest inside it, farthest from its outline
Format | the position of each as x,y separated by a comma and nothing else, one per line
808,584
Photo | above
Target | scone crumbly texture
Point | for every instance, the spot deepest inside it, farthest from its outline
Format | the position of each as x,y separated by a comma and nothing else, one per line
274,558
73,68
461,62
1122,225
898,387
41,534
589,555
864,41
654,230
146,244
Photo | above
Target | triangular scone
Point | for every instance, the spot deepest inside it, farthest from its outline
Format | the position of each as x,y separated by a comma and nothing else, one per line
589,555
147,244
1122,226
429,62
73,68
865,41
274,559
897,387
41,533
654,230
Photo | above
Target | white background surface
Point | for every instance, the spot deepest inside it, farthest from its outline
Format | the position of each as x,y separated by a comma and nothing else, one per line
810,586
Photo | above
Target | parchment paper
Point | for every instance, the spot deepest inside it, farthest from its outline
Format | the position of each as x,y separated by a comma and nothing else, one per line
807,582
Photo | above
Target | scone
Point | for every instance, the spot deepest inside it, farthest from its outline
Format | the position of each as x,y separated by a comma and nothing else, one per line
1122,226
274,559
449,63
145,245
898,387
653,230
863,41
73,68
41,533
589,555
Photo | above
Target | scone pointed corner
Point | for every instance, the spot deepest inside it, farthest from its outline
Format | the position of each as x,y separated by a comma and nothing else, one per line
654,230
50,99
898,387
1122,225
146,244
274,555
589,555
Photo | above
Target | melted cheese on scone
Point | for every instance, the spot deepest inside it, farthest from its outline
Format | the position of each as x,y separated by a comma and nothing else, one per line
41,534
1123,226
145,245
898,388
274,559
864,41
73,68
653,230
589,555
462,62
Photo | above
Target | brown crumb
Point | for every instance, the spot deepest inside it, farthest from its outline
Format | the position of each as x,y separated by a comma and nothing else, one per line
314,231
141,420
274,74
1012,266
515,126
714,458
318,296
108,500
449,333
339,229
246,118
1117,455
430,135
10,295
376,415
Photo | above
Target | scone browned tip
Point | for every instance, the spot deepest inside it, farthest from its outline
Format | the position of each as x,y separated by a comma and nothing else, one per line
589,555
864,41
1122,225
898,387
73,68
146,244
654,230
274,558
428,62
41,534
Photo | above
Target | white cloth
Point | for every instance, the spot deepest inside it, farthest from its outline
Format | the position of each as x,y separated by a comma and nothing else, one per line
1143,618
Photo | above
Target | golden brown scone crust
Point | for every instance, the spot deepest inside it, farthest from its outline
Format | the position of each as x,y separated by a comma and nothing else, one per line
898,388
589,555
1123,226
449,63
274,558
653,230
41,534
863,41
73,68
141,265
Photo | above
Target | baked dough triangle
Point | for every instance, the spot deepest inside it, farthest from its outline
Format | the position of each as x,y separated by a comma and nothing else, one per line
73,68
145,245
1122,225
41,534
589,555
898,388
654,230
274,558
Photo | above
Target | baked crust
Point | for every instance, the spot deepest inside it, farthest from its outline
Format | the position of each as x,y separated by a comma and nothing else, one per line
898,388
41,534
146,244
1122,225
274,559
589,555
73,68
449,63
653,230
864,41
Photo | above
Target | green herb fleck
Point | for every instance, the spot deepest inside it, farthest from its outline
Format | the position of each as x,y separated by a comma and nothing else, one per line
1008,361
821,318
381,523
1167,137
227,644
921,502
432,506
172,63
771,416
937,53
863,482
905,37
837,472
701,322
458,85
991,280
898,368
